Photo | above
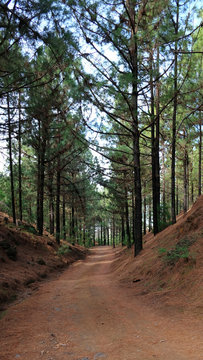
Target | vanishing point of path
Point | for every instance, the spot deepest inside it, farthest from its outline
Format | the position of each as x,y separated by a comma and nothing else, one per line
85,315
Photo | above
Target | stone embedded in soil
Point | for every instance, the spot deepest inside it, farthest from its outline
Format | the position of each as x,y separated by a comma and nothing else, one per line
99,355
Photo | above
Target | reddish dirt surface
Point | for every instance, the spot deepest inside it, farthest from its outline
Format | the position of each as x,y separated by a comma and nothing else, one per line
26,259
85,314
170,288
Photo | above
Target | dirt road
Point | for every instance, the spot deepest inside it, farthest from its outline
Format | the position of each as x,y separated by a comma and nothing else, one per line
85,315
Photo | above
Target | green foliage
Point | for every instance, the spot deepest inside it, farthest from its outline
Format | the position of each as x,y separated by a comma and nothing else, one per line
165,216
63,249
180,251
29,228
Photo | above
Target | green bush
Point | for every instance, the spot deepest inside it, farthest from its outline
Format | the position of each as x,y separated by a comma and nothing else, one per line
63,249
181,250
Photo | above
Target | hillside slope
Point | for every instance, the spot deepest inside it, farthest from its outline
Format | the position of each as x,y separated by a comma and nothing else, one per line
168,272
26,258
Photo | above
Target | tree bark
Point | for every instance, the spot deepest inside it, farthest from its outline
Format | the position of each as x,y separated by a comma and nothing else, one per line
19,160
58,193
113,231
40,177
156,144
185,166
153,155
127,213
135,127
64,216
122,230
51,204
200,155
145,210
173,210
11,161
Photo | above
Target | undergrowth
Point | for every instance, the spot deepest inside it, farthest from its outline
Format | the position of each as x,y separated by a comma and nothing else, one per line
63,249
180,251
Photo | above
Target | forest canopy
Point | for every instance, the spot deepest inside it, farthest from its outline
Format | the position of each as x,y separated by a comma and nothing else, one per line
101,116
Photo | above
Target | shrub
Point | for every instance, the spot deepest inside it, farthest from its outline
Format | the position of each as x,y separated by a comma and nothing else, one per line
63,249
181,250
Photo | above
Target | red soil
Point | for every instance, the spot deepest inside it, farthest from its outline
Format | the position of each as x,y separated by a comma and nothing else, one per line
113,306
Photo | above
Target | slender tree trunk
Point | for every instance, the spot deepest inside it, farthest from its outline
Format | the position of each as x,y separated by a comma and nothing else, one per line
127,213
94,234
11,161
101,232
150,215
40,177
113,231
72,219
19,161
185,167
145,210
58,193
41,195
157,150
122,230
84,231
192,185
173,210
200,155
64,216
108,235
177,200
153,155
104,231
51,204
133,217
164,187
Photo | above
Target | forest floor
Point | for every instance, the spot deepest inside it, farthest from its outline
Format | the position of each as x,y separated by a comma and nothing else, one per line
108,305
86,314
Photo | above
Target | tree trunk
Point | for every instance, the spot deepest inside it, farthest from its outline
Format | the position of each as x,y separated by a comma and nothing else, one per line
108,235
145,209
64,216
164,188
51,204
200,155
173,210
156,144
11,161
40,177
94,234
153,155
133,50
58,192
185,165
122,230
127,213
104,232
72,219
84,231
19,161
113,231
150,215
133,216
177,200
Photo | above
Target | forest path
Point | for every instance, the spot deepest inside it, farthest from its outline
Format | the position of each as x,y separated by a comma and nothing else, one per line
85,315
